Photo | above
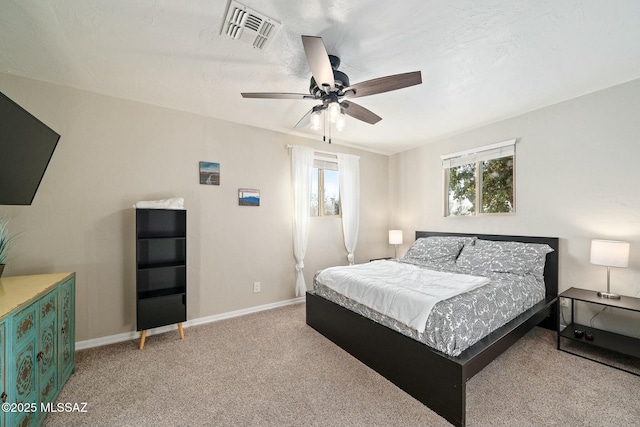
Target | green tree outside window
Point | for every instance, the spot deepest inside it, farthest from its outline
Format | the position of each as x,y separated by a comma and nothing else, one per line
485,187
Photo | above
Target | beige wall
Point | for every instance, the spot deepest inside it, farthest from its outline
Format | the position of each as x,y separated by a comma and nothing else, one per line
577,178
114,152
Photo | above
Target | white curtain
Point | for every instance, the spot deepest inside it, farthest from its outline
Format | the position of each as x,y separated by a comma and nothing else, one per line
301,167
349,181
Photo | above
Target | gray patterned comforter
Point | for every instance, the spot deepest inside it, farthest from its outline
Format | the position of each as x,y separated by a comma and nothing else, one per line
459,322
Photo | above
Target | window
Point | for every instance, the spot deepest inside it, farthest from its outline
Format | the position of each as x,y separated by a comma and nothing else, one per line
480,181
325,193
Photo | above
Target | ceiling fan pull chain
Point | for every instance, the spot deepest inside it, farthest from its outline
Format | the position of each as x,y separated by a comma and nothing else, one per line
324,127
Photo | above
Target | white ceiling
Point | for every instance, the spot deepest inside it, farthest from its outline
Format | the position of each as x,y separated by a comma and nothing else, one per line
481,60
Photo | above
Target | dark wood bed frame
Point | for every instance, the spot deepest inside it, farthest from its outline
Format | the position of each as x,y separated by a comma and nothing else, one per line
432,377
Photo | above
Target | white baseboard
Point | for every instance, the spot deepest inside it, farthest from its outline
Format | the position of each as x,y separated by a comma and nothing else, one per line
127,336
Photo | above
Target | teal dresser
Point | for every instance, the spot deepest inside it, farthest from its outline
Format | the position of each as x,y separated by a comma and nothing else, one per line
37,344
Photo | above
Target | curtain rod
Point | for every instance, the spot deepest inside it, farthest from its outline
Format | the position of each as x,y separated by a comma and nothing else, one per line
289,146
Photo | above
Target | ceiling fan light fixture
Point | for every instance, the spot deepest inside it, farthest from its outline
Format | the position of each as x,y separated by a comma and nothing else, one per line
334,110
329,85
341,122
316,120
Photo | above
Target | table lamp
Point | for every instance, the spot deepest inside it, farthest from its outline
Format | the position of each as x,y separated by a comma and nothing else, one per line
609,253
395,239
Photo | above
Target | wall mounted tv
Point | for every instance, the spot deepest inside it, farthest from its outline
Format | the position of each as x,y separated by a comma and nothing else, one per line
26,146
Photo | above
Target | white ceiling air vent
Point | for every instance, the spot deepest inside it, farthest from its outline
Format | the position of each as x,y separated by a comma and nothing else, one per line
245,24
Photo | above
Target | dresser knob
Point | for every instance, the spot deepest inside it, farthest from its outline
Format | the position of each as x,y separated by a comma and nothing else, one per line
39,356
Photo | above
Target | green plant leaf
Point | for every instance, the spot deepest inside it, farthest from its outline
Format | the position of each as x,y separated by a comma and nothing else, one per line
5,240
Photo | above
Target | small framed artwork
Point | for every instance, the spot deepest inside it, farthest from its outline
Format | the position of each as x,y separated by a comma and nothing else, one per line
209,173
248,197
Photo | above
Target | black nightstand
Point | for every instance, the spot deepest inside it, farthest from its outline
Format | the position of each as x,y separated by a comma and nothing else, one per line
618,343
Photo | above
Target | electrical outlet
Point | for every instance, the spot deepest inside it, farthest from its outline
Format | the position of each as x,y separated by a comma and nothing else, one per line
256,286
564,302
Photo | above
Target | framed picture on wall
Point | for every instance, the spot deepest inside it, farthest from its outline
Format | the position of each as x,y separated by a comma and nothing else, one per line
248,197
209,173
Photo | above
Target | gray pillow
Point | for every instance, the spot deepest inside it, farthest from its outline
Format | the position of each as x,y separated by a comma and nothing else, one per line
504,257
437,248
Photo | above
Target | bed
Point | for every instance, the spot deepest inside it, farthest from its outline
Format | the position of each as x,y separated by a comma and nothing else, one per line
432,376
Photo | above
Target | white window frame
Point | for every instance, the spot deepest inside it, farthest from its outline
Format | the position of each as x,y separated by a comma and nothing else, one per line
476,156
322,163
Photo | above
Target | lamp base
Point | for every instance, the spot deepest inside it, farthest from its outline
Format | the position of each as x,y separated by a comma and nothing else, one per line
608,295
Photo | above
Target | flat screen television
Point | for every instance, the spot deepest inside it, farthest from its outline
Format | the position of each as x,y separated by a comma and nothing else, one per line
26,146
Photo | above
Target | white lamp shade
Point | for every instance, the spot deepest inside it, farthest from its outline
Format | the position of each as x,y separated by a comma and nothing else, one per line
609,253
395,237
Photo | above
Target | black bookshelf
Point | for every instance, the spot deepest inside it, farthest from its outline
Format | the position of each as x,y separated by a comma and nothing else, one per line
161,277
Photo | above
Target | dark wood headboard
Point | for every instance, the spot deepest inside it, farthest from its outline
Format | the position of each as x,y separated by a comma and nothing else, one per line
551,264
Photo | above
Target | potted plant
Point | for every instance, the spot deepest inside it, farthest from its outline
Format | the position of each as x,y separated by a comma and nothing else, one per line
5,242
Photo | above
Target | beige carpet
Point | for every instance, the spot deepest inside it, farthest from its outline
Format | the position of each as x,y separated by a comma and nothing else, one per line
271,369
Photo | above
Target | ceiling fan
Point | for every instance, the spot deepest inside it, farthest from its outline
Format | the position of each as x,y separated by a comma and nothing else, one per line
333,89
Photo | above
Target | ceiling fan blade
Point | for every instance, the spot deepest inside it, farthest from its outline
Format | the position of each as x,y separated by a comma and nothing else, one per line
358,112
384,84
305,120
318,61
275,95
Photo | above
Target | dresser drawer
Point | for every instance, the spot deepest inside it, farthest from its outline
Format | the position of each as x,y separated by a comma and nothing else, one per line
49,307
24,325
